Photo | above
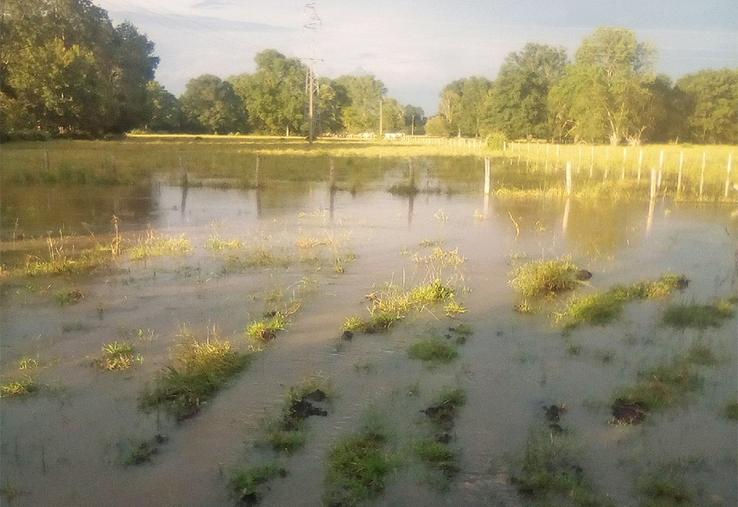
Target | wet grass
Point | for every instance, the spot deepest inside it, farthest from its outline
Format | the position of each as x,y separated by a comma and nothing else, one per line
248,484
601,308
266,329
19,388
444,409
69,297
662,386
433,351
440,257
664,488
158,245
549,472
392,304
440,458
85,261
454,309
202,368
698,316
117,356
545,278
218,244
256,258
731,411
139,451
357,467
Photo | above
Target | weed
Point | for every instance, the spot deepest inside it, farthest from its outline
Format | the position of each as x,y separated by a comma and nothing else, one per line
202,368
69,297
28,363
433,350
440,258
443,412
247,484
18,388
453,308
439,457
157,245
218,244
117,356
266,329
58,264
698,316
357,468
138,452
549,473
544,278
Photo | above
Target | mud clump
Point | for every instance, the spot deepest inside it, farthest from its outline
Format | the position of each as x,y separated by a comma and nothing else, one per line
583,275
303,407
626,412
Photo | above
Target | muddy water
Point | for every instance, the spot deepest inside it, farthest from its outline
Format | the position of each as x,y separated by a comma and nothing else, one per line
59,447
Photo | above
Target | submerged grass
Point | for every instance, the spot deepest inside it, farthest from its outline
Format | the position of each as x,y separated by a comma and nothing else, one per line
202,368
19,388
357,467
698,316
117,356
544,278
158,245
440,458
664,488
218,244
433,351
602,308
247,484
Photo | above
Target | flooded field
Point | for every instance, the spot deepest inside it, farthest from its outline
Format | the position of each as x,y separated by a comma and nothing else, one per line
315,330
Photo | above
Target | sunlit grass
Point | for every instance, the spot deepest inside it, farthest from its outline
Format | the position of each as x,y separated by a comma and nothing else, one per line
266,329
18,388
218,244
158,245
117,356
544,277
433,350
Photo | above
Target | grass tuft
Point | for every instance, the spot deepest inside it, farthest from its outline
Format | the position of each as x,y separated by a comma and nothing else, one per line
247,483
217,244
18,388
544,278
439,457
157,245
266,329
433,350
698,316
731,410
202,368
117,356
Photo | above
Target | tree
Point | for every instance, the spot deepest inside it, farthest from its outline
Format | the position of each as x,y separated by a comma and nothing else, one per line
518,102
363,93
611,74
710,98
162,109
415,120
463,105
332,98
274,95
437,126
210,105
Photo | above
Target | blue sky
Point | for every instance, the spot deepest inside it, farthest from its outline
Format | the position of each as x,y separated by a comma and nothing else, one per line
417,47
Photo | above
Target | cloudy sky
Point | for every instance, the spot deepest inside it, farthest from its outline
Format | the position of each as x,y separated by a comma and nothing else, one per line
416,47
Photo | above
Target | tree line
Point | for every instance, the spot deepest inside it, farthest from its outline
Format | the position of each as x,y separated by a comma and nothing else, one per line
65,70
608,93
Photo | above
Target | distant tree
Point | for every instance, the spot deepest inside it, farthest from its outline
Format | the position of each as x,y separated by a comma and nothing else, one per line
274,95
162,108
210,105
437,126
450,106
415,120
518,101
610,75
363,93
463,103
710,98
332,98
393,115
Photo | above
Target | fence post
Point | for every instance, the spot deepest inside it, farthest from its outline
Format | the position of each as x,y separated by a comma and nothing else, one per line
257,172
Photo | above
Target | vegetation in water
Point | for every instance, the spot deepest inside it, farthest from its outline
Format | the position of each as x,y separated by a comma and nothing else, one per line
731,410
544,278
266,329
158,245
433,351
117,356
218,244
248,484
69,297
201,369
698,316
18,388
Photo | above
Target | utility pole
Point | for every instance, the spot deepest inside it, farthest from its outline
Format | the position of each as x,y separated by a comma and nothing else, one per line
312,24
380,116
312,90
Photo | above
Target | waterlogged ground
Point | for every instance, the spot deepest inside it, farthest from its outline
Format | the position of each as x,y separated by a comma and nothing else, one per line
321,253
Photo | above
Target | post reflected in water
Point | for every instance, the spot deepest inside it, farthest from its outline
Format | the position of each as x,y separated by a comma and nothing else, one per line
331,188
410,206
485,208
185,187
649,220
565,220
258,202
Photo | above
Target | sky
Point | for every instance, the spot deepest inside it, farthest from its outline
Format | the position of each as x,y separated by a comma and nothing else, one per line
417,47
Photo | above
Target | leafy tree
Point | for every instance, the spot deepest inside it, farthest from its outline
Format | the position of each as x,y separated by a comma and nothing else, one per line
415,120
450,107
163,110
210,105
710,98
518,102
332,98
437,126
611,73
463,105
393,115
363,93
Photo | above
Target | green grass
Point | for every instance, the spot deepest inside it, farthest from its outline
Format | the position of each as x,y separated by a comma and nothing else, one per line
698,316
157,245
247,484
266,329
443,411
731,410
19,388
602,308
433,350
137,451
453,308
440,458
117,356
69,297
664,489
202,368
256,258
217,244
357,468
392,304
549,472
85,261
544,278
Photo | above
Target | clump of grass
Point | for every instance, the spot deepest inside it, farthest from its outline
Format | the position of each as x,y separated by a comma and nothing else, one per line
247,484
731,410
308,242
266,329
69,297
544,278
440,257
18,388
454,308
549,473
117,356
216,243
201,369
393,304
357,468
439,457
698,316
60,263
433,350
664,489
28,363
138,452
461,333
602,308
443,411
256,258
157,245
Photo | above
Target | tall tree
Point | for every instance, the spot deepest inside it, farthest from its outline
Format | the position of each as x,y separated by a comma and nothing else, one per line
415,119
611,73
711,103
210,105
162,109
364,94
462,105
518,101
